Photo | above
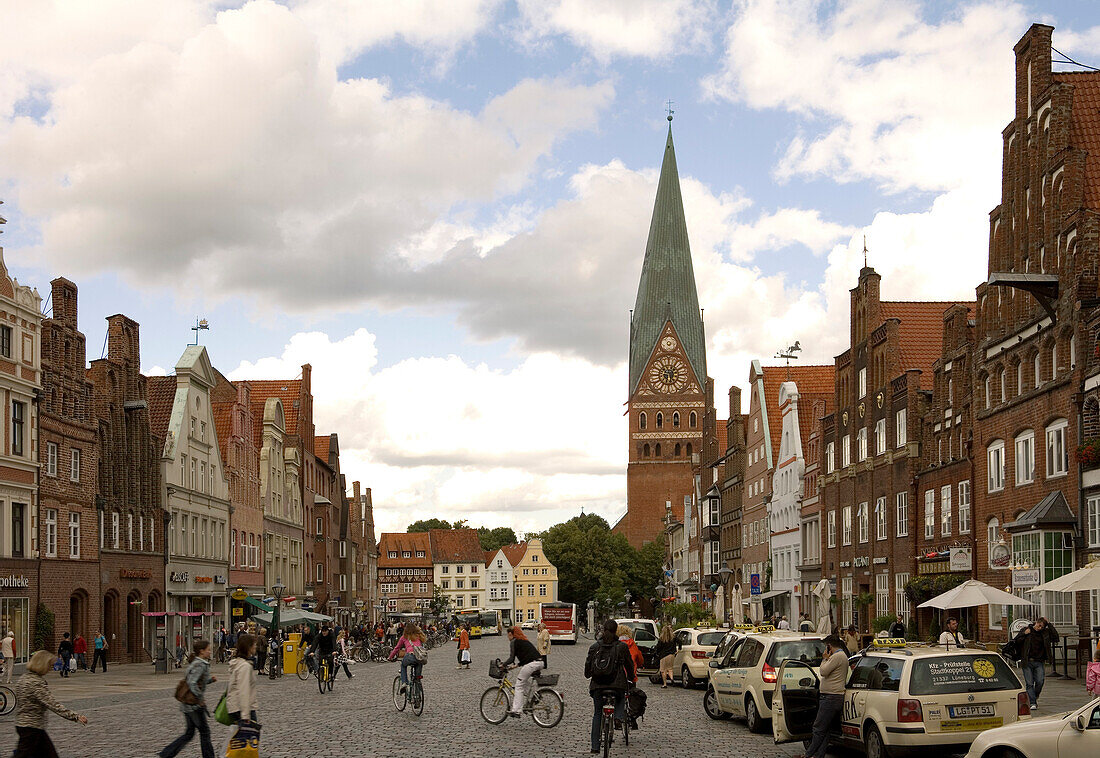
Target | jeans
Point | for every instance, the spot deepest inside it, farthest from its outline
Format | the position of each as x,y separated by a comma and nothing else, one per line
1034,676
525,680
597,711
33,743
828,709
81,663
409,661
196,722
65,664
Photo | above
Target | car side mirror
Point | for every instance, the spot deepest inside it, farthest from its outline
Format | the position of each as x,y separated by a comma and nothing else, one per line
806,682
1080,722
715,664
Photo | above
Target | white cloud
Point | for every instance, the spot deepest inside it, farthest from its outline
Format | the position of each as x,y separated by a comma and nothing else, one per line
633,28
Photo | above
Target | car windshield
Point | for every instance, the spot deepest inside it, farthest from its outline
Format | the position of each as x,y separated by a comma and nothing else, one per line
957,674
807,651
709,638
634,626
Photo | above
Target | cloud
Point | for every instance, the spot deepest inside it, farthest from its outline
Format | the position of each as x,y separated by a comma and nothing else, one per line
654,29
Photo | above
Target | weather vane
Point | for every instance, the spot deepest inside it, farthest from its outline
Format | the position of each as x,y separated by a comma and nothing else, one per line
200,326
668,109
790,354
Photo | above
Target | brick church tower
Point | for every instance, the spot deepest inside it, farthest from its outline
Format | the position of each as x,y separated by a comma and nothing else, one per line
668,370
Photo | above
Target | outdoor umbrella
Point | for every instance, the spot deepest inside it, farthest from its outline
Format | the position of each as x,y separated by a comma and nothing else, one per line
822,592
738,604
292,617
1087,578
971,593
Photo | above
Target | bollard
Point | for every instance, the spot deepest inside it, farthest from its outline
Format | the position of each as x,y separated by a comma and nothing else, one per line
1065,657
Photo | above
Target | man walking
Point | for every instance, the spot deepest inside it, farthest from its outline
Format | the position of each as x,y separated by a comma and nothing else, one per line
834,670
951,637
99,645
897,629
65,653
7,651
1032,644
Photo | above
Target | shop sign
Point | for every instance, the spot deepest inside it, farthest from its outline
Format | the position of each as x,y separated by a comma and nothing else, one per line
13,582
999,556
219,579
1025,577
961,559
135,574
845,564
238,611
178,576
880,561
203,579
861,562
360,603
239,594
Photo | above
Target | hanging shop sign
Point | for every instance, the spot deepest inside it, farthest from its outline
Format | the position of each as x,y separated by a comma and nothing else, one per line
961,558
1025,578
219,579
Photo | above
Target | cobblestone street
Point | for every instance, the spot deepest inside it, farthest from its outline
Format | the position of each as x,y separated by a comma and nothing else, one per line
358,718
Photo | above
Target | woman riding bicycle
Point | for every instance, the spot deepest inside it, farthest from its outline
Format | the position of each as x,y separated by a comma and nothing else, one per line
610,667
529,663
412,639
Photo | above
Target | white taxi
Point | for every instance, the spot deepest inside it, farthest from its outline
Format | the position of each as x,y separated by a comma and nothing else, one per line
1073,734
743,682
691,659
902,697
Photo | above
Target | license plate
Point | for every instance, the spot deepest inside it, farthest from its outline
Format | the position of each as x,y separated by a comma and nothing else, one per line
971,711
971,725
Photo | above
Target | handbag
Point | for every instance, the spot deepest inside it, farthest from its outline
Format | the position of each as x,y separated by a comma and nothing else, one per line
245,743
221,712
184,694
420,653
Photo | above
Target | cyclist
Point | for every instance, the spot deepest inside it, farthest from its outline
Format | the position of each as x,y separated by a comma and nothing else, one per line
529,663
626,636
411,639
610,667
324,648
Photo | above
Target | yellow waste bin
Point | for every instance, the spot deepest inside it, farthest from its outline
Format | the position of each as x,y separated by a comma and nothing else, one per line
292,653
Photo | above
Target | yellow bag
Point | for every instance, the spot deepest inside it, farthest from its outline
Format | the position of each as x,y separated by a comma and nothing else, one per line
246,742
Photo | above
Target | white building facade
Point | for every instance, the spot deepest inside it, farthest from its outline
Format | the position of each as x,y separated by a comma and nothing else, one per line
785,508
501,588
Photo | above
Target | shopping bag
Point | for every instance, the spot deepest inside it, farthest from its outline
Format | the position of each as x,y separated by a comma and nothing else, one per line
246,742
221,712
466,656
72,664
57,665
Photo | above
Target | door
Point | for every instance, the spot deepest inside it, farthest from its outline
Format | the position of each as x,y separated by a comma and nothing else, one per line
684,638
647,644
1075,742
720,678
794,711
746,658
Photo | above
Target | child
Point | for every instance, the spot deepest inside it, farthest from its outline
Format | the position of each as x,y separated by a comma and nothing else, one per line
1092,674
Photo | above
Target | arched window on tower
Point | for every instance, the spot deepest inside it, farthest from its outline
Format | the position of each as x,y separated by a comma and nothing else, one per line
689,450
660,420
676,419
657,450
641,420
693,420
645,450
677,449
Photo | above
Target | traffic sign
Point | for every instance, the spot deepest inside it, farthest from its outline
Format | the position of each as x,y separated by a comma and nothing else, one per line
754,584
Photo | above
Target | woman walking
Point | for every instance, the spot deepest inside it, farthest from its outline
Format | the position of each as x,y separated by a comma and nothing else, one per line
194,714
342,646
240,697
463,647
665,651
542,642
33,697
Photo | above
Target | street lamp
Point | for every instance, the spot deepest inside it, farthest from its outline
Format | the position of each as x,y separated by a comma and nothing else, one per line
278,590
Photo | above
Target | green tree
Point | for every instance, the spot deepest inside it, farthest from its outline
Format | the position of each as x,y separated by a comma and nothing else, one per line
588,556
647,569
425,524
440,604
43,628
494,539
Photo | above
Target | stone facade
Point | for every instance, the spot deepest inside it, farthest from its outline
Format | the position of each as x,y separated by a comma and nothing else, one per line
405,575
536,581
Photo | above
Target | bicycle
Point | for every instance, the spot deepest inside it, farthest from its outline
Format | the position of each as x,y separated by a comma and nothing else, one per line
607,724
326,675
545,704
413,694
304,670
7,700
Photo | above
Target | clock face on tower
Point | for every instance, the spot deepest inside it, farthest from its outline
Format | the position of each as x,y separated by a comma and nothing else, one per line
668,374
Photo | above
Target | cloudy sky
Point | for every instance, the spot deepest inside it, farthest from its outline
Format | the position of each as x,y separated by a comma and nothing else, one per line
442,205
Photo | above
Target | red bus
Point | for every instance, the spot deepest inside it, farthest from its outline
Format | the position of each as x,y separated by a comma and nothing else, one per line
560,620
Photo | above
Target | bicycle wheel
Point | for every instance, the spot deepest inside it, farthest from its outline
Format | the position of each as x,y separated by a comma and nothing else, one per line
322,674
547,707
331,681
399,700
302,670
626,730
494,705
608,733
416,695
7,701
362,655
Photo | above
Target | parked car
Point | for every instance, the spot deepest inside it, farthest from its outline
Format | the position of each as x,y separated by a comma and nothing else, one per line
645,637
1073,734
697,645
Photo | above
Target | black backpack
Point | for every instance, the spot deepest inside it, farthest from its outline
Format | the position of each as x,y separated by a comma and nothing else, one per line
603,661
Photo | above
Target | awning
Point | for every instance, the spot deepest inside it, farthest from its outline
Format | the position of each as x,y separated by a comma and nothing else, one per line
257,604
766,595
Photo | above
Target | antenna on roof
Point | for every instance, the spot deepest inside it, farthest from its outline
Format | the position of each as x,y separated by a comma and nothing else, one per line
864,251
790,354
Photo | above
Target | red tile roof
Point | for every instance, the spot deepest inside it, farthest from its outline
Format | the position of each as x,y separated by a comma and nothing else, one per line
321,448
920,333
1084,129
223,427
399,542
455,546
515,553
161,392
814,382
722,436
489,556
287,390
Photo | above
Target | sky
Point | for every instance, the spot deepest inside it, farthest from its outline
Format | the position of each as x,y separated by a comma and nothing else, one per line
442,205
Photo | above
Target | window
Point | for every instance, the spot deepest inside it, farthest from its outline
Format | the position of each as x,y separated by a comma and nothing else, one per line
846,525
902,514
861,377
407,587
530,590
1004,385
845,451
202,476
641,420
846,597
676,420
542,590
5,341
864,526
880,436
901,604
74,465
18,526
829,458
693,420
192,473
1057,465
988,391
929,514
18,423
114,531
1025,457
419,553
51,459
964,507
945,511
446,584
343,548
343,582
202,431
831,528
130,532
392,554
74,535
1054,361
233,548
882,594
996,456
1037,362
660,420
901,433
460,584
458,569
321,575
861,441
880,518
50,521
423,587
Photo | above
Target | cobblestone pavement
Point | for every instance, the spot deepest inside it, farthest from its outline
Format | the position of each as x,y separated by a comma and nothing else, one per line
358,718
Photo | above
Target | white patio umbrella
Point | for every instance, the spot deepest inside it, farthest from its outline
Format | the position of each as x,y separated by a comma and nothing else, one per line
738,604
824,620
972,593
1087,578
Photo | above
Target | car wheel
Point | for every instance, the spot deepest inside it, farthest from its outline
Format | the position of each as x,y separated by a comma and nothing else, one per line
655,679
710,705
876,748
686,679
752,716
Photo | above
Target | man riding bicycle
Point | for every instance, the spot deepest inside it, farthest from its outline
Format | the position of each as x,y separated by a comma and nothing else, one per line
324,648
611,668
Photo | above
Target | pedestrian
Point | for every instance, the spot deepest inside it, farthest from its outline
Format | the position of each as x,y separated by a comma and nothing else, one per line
342,646
834,670
219,644
528,664
194,714
240,695
7,655
951,636
1092,674
261,650
99,651
33,698
1031,642
610,668
784,624
65,653
851,640
80,649
897,629
463,647
665,651
542,642
805,625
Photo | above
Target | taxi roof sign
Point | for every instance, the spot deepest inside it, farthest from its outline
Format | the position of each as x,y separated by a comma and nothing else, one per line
764,628
888,642
743,626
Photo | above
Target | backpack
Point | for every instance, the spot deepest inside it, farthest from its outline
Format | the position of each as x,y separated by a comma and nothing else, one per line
635,703
1011,650
604,659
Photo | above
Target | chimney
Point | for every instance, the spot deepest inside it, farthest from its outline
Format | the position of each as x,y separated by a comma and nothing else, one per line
64,301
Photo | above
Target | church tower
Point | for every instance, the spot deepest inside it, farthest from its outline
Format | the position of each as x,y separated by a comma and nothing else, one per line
668,370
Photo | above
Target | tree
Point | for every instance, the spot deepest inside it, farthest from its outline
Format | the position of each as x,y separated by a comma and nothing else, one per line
647,569
588,556
440,603
425,524
494,539
43,628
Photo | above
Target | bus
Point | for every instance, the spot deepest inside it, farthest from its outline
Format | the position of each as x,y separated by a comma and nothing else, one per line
490,622
472,618
560,620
